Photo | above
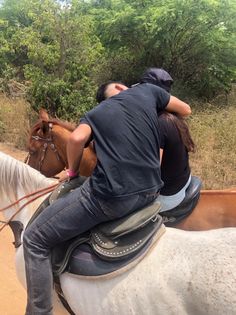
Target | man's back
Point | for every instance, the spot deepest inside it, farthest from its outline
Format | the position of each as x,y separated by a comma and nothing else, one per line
126,137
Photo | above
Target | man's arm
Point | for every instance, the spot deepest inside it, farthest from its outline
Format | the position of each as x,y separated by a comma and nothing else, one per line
75,146
177,106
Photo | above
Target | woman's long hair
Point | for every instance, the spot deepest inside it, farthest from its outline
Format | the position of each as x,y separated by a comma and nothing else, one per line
183,129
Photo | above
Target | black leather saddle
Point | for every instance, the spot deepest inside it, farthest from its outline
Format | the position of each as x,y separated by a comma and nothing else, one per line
109,246
184,209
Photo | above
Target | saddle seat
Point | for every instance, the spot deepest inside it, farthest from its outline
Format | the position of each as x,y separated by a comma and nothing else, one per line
184,209
110,246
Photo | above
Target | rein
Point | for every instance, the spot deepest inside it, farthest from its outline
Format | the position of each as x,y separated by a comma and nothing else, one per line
40,192
45,146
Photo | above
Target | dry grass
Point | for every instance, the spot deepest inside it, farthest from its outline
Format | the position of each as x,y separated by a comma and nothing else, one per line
214,132
213,129
15,116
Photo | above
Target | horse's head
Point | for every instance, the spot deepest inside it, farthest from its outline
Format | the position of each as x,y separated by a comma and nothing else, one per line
47,147
46,152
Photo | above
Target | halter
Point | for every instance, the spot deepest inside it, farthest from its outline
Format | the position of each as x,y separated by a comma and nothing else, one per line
45,146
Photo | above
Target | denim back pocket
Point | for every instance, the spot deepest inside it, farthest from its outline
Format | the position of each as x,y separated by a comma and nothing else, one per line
119,207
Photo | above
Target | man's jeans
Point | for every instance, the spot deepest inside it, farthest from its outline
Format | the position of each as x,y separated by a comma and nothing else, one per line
66,218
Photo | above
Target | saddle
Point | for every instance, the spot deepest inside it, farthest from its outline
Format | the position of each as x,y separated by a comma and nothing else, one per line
122,240
110,245
185,208
116,243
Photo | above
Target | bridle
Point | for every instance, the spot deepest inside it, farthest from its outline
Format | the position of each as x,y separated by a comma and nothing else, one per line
47,143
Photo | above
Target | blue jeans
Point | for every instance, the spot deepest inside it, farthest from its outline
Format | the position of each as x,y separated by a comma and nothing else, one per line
66,218
172,201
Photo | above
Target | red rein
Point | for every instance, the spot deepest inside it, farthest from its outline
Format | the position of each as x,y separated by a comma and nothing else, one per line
39,193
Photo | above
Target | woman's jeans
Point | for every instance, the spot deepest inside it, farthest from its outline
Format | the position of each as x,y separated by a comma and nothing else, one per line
66,218
172,201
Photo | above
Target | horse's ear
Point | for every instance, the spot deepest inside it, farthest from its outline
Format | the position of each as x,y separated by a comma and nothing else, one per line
44,127
43,114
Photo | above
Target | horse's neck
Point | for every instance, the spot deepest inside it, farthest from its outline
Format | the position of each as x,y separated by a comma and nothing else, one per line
26,213
60,137
9,195
89,159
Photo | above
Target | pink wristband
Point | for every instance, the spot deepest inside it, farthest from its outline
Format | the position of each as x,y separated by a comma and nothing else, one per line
71,173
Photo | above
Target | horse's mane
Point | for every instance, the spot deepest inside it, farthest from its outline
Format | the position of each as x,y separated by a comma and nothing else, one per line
64,124
15,174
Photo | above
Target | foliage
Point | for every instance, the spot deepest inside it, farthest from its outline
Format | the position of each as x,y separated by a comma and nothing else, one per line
54,48
64,49
194,40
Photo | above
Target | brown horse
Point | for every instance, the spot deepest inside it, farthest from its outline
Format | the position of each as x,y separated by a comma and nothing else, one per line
47,147
215,209
47,153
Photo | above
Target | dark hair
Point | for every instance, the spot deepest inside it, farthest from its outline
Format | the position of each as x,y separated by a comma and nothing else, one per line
101,91
183,129
100,95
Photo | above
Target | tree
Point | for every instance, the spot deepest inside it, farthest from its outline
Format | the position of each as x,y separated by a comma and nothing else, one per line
66,48
54,47
194,40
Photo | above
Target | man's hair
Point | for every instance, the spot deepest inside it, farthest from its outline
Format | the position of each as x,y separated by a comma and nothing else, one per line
101,92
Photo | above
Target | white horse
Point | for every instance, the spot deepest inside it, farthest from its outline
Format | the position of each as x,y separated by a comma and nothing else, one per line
190,273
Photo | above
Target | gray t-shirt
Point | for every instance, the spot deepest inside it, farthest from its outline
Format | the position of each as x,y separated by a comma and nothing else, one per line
126,140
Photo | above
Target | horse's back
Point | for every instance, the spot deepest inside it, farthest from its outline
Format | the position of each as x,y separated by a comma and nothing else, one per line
185,273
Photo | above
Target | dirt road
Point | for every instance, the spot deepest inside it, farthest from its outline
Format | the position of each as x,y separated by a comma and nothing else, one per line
12,294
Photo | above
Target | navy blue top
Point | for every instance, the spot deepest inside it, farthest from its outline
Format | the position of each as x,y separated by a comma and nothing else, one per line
175,170
126,141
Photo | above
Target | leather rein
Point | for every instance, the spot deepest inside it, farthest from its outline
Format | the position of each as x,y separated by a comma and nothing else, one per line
36,194
46,142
